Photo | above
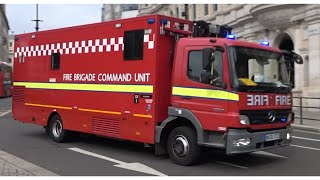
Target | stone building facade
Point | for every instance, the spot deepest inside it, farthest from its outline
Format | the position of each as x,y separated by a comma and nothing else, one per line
4,38
285,26
118,11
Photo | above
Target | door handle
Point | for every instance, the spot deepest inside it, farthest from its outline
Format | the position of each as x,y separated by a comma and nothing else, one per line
186,97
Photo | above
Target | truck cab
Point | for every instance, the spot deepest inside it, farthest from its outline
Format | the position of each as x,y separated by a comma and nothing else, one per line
235,95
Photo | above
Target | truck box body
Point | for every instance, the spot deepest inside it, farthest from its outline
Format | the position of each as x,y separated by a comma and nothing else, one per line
103,104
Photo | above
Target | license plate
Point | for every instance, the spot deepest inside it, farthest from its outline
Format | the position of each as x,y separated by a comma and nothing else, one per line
272,137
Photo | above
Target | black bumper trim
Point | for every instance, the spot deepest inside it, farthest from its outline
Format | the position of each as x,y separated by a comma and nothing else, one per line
257,140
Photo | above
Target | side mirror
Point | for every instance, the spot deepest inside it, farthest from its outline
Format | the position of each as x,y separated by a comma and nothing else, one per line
296,57
292,56
207,57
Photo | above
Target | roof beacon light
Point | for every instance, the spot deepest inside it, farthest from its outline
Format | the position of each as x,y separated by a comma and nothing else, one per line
231,36
164,21
264,43
151,21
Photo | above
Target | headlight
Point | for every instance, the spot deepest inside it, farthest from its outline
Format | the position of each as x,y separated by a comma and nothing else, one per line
242,142
244,119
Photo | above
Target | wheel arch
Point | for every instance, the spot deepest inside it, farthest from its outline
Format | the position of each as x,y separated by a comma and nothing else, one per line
178,117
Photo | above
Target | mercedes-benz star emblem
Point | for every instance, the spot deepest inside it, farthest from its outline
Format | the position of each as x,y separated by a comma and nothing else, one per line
271,116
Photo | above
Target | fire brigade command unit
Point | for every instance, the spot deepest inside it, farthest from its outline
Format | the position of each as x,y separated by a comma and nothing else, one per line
172,83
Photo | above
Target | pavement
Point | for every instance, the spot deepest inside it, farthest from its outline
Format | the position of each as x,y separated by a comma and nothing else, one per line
11,165
306,124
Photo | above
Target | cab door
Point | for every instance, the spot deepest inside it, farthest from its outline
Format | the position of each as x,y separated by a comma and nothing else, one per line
208,102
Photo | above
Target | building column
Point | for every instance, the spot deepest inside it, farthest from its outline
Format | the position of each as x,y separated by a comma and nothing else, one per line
298,68
313,20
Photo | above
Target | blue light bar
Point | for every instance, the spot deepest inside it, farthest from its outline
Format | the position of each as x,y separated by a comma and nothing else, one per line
231,36
151,21
283,119
164,21
264,43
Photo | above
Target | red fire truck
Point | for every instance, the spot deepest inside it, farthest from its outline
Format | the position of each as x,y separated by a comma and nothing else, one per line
5,79
168,82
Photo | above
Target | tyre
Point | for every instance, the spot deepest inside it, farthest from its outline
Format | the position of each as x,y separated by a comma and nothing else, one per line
47,130
182,146
56,131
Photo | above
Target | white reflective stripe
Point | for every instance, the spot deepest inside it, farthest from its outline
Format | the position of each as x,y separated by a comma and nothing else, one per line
111,44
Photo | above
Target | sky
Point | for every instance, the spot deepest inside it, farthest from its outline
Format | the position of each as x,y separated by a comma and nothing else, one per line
53,16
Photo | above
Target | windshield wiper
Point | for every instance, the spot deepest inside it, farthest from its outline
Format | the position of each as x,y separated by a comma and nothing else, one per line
251,88
282,88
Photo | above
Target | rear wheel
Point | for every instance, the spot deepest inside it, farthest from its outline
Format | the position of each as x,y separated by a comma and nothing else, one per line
182,146
56,131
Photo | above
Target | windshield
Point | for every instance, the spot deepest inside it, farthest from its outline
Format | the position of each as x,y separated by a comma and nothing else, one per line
258,70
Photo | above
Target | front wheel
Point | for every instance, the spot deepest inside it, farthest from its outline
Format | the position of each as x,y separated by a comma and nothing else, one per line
56,131
182,146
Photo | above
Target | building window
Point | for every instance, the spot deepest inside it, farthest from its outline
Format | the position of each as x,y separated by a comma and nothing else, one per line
133,45
197,73
215,7
194,12
171,13
55,61
10,60
4,41
177,11
10,44
206,9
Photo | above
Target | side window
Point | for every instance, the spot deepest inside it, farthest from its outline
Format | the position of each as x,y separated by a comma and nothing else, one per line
195,65
198,74
218,63
133,45
55,61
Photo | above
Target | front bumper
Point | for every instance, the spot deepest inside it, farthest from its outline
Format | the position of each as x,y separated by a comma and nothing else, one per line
258,141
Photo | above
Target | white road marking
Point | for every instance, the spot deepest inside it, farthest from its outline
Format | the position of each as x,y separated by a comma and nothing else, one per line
269,154
96,155
305,147
306,132
130,166
3,114
309,139
230,164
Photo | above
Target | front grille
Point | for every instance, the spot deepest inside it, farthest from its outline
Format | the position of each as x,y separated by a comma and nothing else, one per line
262,116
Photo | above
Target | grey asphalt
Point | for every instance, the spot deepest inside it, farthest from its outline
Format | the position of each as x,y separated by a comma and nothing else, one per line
29,142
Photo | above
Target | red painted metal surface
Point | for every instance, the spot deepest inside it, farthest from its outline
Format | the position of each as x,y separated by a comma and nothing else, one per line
115,114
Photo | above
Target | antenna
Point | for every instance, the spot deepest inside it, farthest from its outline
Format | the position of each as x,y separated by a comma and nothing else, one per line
37,20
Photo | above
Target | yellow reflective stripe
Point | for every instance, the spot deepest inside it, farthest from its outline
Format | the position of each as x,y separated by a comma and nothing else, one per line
88,87
142,115
100,111
48,106
205,93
